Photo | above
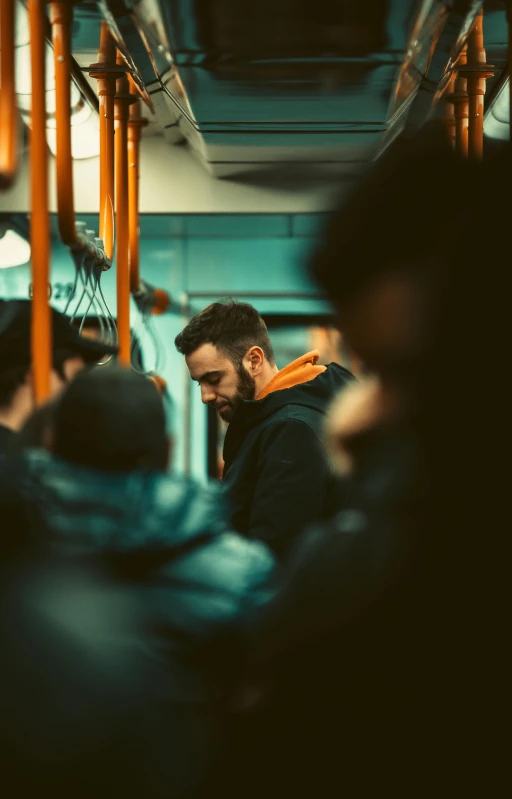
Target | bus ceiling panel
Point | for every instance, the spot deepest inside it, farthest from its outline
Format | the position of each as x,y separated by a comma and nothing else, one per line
256,88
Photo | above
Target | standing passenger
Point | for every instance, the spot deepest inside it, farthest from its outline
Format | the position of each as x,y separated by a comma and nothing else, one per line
71,352
132,604
277,472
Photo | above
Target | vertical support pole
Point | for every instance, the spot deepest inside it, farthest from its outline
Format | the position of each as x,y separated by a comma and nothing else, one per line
8,110
105,71
461,107
61,17
39,218
135,124
121,103
476,71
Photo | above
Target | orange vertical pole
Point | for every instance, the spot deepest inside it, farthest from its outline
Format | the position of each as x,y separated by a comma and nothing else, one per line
105,73
39,219
135,123
121,103
61,17
160,300
8,110
461,106
476,71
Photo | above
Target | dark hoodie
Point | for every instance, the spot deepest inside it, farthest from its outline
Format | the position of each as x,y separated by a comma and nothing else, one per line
157,548
277,472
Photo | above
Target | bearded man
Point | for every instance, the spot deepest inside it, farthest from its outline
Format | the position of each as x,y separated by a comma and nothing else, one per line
277,472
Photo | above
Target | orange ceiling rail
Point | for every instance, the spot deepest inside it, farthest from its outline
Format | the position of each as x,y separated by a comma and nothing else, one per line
41,335
106,71
122,101
8,110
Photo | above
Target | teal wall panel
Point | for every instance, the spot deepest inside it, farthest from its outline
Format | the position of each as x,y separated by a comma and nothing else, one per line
257,257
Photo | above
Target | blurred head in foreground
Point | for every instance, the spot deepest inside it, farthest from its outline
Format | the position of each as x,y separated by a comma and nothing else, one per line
113,420
412,269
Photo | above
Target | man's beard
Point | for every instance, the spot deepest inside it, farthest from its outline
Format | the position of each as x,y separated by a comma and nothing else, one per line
245,390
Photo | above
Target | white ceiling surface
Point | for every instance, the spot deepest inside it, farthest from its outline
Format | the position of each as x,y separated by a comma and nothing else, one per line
173,181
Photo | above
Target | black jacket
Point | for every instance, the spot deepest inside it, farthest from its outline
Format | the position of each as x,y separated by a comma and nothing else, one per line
171,597
277,472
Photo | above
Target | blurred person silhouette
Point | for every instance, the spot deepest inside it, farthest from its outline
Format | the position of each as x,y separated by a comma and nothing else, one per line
127,603
276,471
71,352
377,667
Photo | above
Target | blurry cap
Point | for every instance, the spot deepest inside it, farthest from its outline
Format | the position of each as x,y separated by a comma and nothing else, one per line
15,336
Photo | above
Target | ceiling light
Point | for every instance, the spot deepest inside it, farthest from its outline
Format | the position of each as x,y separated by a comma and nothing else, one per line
14,250
85,136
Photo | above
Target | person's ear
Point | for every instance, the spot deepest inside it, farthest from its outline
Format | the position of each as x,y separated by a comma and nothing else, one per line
254,360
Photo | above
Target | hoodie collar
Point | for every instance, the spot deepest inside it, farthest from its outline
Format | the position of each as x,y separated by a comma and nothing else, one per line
301,370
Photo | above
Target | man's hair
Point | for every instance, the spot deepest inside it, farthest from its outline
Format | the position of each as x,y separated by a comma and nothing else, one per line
113,420
233,327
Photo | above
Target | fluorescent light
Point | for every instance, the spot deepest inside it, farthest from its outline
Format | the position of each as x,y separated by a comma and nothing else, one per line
14,250
23,74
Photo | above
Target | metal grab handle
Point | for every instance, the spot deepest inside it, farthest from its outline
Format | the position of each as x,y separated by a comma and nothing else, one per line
88,272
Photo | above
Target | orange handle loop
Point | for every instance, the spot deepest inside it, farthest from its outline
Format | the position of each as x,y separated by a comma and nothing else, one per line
39,219
8,111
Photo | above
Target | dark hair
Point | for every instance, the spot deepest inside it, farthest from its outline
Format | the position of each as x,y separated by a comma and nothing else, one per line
111,419
233,327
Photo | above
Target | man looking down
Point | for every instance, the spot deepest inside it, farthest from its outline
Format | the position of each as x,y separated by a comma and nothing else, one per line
277,472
